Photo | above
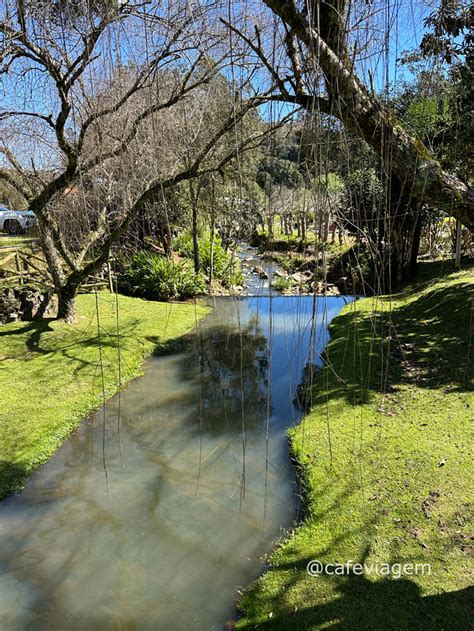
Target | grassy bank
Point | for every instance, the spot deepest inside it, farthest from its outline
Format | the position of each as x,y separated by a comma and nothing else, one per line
386,477
50,373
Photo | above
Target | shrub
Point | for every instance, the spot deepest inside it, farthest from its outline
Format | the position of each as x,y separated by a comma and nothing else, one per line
281,284
151,276
183,244
226,267
361,203
290,263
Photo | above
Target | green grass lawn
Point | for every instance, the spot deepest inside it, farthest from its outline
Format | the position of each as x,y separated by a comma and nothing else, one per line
50,373
386,466
10,240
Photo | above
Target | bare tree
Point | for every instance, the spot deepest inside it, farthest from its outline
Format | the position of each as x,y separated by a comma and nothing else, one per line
81,101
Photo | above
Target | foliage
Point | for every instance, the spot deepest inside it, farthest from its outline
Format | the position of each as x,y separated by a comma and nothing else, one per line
449,31
354,269
428,115
154,277
225,266
428,107
49,382
328,185
448,44
274,171
360,203
239,211
281,283
384,473
290,263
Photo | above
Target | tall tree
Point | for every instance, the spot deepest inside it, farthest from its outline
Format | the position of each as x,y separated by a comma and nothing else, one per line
319,71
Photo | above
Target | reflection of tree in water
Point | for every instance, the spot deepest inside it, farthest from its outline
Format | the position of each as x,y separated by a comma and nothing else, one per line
230,366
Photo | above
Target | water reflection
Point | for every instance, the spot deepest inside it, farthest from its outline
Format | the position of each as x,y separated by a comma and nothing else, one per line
163,540
230,365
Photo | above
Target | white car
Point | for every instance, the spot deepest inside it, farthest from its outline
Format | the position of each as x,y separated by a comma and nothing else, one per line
16,221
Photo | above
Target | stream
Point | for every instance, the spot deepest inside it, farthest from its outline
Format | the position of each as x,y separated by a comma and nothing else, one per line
159,508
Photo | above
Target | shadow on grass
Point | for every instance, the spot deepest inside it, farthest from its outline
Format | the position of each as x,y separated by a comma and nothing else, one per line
35,329
424,340
385,604
89,338
352,601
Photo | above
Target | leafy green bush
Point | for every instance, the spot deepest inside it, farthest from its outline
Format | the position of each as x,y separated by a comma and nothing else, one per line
281,284
183,244
151,276
290,263
225,268
361,202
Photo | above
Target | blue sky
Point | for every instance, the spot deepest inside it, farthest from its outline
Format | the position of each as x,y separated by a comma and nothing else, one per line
401,19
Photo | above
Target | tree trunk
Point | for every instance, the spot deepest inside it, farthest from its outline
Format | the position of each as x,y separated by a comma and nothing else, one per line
195,240
211,244
270,226
326,227
457,247
66,304
194,196
65,292
51,254
303,229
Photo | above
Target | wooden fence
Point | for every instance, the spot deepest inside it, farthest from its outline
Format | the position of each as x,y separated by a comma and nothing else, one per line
25,266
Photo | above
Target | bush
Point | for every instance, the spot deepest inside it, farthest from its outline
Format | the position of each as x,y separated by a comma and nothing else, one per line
361,203
281,284
291,264
151,276
226,267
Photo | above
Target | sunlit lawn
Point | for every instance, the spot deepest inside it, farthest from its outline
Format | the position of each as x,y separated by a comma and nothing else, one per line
386,477
50,373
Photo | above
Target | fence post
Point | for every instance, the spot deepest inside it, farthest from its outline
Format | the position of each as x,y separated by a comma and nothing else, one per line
109,276
18,266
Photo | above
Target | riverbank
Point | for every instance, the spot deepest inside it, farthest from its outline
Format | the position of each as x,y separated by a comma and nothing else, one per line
385,476
51,378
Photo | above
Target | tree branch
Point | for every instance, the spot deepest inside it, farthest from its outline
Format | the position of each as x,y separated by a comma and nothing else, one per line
12,114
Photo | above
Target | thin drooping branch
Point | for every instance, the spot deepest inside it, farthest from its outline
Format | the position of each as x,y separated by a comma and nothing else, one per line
311,102
185,88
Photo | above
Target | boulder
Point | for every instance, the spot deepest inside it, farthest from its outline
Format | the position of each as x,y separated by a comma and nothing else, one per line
22,303
297,278
260,271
